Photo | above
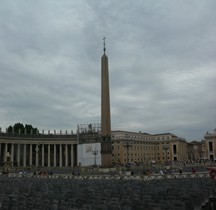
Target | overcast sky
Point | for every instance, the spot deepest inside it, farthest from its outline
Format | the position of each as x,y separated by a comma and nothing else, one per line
162,64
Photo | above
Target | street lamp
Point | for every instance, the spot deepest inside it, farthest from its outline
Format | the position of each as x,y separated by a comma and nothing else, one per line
127,144
95,152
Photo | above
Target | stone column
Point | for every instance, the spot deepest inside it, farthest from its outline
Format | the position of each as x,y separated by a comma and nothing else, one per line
66,155
60,155
37,150
30,155
5,151
43,155
54,155
48,155
0,151
18,154
12,154
24,156
72,155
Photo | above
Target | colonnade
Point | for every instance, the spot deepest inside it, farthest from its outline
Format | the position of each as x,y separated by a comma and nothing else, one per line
39,155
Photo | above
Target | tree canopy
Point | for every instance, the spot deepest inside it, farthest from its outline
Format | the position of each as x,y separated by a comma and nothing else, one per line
19,128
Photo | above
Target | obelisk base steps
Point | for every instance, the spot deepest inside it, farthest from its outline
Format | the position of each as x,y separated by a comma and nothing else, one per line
106,154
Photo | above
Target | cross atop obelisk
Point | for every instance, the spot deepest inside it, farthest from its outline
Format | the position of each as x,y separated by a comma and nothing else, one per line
104,39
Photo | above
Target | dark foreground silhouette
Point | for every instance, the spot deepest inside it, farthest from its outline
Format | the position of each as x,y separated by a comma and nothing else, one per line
59,193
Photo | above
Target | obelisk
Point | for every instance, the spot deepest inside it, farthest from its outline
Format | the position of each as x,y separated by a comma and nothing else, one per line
106,146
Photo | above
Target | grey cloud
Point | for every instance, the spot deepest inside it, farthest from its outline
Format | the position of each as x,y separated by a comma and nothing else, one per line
161,59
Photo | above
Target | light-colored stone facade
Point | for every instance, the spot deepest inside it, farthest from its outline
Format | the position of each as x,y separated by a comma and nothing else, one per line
196,150
58,150
132,147
39,150
210,145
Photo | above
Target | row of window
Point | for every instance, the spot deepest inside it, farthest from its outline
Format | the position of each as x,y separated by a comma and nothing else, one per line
140,137
153,148
210,146
140,147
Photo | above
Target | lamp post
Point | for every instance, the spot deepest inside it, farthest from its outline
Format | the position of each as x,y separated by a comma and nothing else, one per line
95,152
127,144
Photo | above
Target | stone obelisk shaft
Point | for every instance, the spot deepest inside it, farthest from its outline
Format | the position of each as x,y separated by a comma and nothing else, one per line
105,98
106,146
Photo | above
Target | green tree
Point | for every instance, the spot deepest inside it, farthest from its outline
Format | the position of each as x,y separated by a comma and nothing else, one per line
30,128
20,128
10,129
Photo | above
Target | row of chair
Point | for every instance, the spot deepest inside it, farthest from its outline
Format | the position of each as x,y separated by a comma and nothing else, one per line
88,194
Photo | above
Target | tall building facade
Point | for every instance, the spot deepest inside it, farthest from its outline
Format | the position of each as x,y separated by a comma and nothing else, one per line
106,146
137,147
210,145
